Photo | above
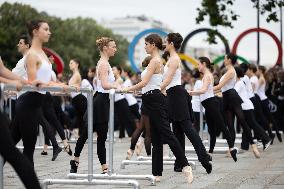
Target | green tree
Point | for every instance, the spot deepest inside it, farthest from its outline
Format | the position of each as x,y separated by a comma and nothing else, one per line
71,38
220,13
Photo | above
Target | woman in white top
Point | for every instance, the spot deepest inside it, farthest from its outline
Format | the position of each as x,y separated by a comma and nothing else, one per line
248,109
213,114
154,104
250,71
179,103
79,101
105,82
265,102
232,101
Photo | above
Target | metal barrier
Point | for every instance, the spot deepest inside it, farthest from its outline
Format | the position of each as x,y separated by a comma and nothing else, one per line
89,180
111,174
1,158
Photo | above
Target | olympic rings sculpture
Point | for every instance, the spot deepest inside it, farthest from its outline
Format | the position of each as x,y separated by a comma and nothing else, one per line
57,59
185,58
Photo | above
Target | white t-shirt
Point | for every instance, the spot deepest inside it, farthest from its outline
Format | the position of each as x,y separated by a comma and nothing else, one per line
20,69
86,84
254,81
129,97
248,86
240,87
195,101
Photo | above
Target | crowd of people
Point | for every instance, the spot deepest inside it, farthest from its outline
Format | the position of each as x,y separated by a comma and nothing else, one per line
170,95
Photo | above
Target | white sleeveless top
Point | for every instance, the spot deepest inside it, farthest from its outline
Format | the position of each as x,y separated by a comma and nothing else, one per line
240,87
254,80
154,83
261,91
73,94
86,84
118,97
209,93
176,80
20,69
247,82
230,84
111,79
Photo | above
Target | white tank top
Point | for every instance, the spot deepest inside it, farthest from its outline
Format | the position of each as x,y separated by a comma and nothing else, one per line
247,82
240,87
154,83
261,91
86,84
209,93
118,97
230,84
110,78
254,81
73,94
176,80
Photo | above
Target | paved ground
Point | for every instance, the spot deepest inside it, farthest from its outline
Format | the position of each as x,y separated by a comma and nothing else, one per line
248,172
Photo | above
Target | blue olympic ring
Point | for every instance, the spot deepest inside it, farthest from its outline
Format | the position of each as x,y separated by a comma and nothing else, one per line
131,47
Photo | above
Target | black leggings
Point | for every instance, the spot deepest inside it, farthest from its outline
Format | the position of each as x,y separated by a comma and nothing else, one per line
155,103
26,122
124,117
258,130
79,103
50,115
268,115
12,155
144,126
197,121
185,127
214,119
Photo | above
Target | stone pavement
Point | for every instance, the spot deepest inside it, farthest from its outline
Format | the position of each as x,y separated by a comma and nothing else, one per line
248,172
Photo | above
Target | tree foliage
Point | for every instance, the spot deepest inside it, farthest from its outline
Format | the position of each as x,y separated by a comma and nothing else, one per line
71,38
220,13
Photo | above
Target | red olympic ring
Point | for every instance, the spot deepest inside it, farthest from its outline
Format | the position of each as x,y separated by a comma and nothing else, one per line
280,51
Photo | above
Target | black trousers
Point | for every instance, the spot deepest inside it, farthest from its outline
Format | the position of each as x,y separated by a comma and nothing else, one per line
79,103
185,127
50,115
258,130
155,105
134,109
197,121
259,114
214,119
26,122
268,114
101,109
12,155
124,117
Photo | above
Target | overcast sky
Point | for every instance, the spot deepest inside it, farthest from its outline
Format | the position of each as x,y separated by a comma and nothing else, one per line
179,15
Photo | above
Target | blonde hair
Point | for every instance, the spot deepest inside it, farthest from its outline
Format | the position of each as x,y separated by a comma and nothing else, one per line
102,42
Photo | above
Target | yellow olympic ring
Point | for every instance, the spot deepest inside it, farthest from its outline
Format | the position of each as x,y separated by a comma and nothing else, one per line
188,59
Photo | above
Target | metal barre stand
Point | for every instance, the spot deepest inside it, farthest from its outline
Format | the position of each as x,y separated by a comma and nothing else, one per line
89,180
111,174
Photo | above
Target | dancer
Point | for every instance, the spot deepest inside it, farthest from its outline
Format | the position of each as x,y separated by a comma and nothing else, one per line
154,103
213,114
178,101
232,101
105,82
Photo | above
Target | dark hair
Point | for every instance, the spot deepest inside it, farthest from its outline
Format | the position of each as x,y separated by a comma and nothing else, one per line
176,39
244,66
146,61
232,57
34,25
239,71
166,55
26,39
262,68
77,62
119,69
206,61
155,39
195,73
252,67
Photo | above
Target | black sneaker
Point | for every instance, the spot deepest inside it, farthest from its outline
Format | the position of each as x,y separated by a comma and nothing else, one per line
234,154
207,166
56,151
74,166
